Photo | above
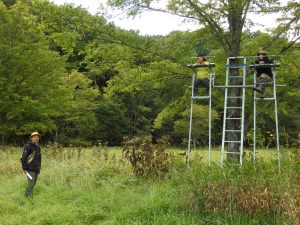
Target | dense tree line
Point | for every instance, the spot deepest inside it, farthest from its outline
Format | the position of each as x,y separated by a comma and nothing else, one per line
81,80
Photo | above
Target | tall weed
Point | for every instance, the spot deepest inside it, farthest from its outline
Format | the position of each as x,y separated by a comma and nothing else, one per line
148,160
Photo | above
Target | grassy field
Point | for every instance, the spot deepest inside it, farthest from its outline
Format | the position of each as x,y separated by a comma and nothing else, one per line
266,155
97,186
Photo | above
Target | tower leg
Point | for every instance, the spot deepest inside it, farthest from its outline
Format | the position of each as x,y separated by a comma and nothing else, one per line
209,122
191,120
276,120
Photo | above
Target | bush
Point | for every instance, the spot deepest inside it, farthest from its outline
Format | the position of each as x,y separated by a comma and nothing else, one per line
148,160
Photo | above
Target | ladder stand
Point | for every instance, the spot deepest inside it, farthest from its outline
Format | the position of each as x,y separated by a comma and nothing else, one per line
194,96
233,135
272,98
234,109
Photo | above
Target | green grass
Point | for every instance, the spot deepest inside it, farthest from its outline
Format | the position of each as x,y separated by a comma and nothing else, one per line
215,155
97,186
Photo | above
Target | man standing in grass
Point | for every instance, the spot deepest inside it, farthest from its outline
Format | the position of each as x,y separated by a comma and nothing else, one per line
31,162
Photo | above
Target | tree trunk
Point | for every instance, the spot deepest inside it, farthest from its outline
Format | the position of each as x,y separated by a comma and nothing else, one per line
2,135
2,140
235,22
194,142
234,124
56,134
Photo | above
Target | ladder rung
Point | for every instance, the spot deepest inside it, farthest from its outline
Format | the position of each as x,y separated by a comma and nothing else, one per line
265,65
233,130
201,97
237,153
235,76
266,84
236,57
232,141
233,118
233,107
236,65
233,86
237,86
234,97
264,99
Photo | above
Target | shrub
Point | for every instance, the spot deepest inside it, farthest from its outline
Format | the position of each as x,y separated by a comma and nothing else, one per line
148,160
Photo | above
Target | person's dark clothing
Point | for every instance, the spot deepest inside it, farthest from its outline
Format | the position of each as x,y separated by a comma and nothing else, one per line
31,183
204,82
266,70
35,164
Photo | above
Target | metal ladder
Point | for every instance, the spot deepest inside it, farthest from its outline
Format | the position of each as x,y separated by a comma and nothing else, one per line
272,98
211,77
231,137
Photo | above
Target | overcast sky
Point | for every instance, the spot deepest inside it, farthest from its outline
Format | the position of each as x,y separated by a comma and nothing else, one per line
152,23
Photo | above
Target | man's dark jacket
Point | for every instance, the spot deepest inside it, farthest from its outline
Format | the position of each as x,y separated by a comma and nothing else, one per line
35,164
265,70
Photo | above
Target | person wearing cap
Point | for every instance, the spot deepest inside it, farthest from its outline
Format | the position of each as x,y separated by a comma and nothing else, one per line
31,162
202,75
263,74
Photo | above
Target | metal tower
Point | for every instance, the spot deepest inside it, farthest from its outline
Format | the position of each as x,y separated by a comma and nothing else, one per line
272,98
194,96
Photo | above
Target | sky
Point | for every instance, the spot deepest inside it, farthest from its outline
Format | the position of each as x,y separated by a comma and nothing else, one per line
153,23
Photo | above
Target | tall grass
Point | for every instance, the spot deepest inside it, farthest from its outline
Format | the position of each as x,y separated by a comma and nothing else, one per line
97,186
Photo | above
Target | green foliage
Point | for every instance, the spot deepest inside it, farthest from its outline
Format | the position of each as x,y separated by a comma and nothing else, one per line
200,124
9,3
167,116
96,186
111,122
79,120
147,160
222,38
225,20
260,138
68,29
31,86
54,59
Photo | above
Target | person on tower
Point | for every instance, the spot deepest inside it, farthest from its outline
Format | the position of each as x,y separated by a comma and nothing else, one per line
202,74
263,74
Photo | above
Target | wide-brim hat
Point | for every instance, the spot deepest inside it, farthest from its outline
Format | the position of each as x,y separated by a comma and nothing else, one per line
262,52
34,134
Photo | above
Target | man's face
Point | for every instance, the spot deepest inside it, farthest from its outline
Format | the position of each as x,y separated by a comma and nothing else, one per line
262,55
200,59
35,139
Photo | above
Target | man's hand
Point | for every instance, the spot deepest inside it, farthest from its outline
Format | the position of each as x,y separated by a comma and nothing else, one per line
261,62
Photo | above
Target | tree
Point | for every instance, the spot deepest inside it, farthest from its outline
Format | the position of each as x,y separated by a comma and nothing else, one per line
200,124
31,90
112,123
226,19
78,121
9,3
69,29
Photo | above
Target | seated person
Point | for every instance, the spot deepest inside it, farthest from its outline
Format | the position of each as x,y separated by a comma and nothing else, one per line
202,74
263,74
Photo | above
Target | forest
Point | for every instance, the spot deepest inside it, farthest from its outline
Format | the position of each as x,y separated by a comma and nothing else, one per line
113,107
80,80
